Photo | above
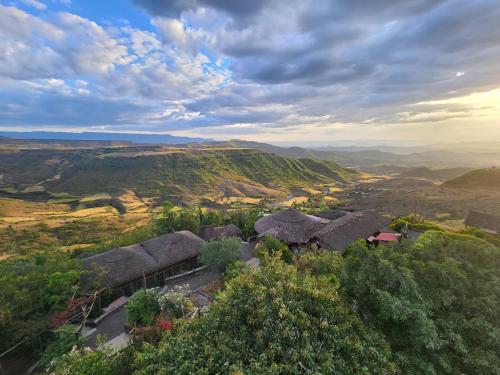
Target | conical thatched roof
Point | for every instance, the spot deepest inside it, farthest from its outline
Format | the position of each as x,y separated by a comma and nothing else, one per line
341,232
289,226
331,214
211,233
124,264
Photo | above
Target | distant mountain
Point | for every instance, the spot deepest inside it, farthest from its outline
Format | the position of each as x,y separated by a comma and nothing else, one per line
376,161
95,136
435,174
488,179
159,171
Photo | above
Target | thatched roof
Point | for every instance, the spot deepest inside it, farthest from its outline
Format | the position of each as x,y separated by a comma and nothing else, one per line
211,233
331,214
124,264
289,225
341,232
483,220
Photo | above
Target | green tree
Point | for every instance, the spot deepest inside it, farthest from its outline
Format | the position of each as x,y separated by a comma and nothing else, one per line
436,301
212,217
218,255
245,220
32,289
174,219
273,321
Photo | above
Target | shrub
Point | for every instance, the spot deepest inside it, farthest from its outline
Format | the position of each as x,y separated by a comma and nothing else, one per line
218,255
212,217
88,362
235,269
275,246
176,302
320,263
143,307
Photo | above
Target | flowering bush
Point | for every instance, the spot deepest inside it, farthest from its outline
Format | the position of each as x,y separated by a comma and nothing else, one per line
176,302
152,334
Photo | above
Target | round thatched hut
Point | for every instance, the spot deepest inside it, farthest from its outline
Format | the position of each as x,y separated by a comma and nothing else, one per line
289,226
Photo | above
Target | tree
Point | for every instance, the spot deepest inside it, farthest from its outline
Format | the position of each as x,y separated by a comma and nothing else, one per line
245,220
32,289
436,301
175,218
273,321
218,255
212,217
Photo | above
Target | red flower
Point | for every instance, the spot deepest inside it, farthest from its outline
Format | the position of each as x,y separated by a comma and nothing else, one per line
164,324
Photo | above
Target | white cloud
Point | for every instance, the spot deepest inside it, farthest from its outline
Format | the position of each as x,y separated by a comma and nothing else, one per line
35,4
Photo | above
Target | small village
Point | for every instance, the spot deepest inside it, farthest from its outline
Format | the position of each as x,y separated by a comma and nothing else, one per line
172,261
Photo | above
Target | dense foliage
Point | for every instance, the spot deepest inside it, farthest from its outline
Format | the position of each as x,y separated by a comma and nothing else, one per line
428,307
32,289
270,245
143,307
174,218
435,301
273,321
218,255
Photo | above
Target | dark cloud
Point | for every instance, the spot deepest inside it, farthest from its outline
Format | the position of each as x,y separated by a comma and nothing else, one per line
239,10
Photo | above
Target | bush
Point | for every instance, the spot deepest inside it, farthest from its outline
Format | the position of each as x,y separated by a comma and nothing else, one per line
399,223
86,361
235,269
143,307
320,263
218,255
275,246
176,302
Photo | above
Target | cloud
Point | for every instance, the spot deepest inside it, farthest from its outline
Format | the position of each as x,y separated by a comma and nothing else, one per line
261,66
35,4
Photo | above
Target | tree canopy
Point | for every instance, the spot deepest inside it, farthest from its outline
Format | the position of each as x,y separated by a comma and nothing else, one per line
273,321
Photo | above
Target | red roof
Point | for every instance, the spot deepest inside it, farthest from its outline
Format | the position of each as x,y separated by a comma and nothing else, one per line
387,237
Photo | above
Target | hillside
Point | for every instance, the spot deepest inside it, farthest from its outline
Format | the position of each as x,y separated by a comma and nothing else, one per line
488,179
377,161
435,174
158,172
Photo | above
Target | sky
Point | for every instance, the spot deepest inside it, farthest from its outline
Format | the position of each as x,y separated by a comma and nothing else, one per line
287,71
